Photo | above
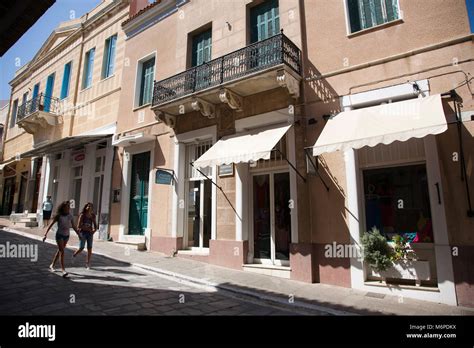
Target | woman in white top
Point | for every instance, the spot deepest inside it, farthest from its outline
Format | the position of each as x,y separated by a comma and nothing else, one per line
65,222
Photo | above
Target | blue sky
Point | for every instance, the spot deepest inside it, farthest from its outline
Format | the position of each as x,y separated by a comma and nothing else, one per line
27,46
470,11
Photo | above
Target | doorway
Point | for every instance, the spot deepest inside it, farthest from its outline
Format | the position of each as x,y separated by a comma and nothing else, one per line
138,214
271,218
22,194
8,194
37,178
199,213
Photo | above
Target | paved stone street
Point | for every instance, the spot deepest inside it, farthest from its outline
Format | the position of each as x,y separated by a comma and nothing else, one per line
108,288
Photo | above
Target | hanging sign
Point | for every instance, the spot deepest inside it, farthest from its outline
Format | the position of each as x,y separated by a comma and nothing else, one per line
226,170
164,176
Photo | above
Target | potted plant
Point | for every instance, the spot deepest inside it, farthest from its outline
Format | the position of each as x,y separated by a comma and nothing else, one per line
394,259
377,253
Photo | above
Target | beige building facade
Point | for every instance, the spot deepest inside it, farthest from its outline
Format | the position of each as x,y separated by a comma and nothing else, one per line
63,113
231,79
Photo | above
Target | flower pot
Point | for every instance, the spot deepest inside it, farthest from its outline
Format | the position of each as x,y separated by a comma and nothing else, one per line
406,269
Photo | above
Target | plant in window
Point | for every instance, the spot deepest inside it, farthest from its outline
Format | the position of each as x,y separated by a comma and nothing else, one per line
402,249
377,252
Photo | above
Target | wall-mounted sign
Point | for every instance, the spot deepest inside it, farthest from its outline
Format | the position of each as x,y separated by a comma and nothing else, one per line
226,170
116,196
164,176
78,156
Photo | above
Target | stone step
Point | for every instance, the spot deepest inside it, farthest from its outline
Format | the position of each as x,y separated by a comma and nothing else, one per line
29,224
271,270
138,242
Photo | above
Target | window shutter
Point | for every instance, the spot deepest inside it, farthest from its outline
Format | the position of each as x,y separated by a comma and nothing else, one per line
265,20
111,55
66,78
378,11
148,69
366,14
354,17
391,7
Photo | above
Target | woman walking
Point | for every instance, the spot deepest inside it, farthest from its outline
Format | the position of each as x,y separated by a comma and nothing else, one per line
87,226
65,222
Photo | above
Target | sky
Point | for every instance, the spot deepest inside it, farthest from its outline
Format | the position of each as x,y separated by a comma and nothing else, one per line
470,11
30,43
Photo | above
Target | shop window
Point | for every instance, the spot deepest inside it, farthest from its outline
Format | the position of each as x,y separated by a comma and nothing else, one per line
397,202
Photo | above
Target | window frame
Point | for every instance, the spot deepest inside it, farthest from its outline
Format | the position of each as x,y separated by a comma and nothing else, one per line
14,113
374,27
108,64
138,78
88,68
64,81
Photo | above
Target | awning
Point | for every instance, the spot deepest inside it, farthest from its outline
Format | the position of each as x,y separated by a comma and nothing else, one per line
382,124
242,147
63,144
4,164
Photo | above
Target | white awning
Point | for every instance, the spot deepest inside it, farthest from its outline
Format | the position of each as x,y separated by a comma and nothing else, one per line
382,124
4,164
242,147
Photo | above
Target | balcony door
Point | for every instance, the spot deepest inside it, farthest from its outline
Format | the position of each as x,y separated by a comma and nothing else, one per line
34,101
201,54
264,23
138,215
48,92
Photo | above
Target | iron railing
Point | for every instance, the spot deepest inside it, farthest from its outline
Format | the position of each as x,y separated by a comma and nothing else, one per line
256,57
39,103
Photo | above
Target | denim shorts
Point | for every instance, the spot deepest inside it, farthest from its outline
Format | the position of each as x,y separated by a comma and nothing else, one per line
60,237
86,237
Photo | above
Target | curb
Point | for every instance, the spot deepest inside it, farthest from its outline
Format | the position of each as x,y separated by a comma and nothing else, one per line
255,295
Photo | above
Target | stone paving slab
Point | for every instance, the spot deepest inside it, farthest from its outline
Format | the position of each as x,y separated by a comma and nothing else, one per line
319,297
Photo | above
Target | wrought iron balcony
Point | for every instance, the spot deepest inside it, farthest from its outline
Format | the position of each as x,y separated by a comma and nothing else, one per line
39,103
247,61
39,111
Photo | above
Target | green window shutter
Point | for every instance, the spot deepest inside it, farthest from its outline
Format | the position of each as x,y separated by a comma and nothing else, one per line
391,7
354,17
146,86
264,21
202,48
366,14
378,12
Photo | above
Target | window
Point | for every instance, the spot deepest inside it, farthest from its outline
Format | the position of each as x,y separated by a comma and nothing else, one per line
397,201
264,21
66,79
88,68
147,73
35,91
109,57
364,14
202,47
14,112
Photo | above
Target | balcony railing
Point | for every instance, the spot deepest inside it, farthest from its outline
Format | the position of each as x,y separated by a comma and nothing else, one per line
248,60
39,103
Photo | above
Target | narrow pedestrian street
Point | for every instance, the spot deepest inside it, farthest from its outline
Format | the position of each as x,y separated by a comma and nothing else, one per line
108,288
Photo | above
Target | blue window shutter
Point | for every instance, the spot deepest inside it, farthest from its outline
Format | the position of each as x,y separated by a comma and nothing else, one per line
66,79
378,12
35,91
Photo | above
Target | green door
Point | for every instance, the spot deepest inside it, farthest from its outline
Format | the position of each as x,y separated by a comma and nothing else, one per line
202,48
139,194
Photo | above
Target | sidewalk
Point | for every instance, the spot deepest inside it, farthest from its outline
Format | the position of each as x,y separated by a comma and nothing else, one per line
329,299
